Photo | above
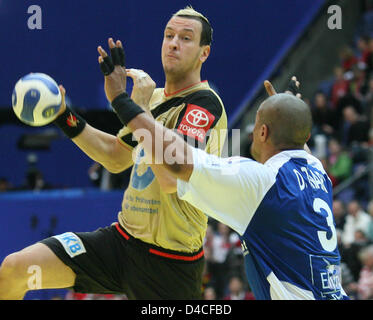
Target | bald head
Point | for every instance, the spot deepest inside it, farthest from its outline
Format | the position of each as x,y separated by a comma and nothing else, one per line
288,119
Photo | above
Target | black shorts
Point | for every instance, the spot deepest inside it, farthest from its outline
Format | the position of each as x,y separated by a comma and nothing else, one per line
109,260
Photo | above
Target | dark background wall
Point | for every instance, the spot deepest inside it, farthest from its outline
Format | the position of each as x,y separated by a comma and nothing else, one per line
247,35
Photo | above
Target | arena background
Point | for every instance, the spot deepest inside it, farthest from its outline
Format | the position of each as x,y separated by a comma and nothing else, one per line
253,41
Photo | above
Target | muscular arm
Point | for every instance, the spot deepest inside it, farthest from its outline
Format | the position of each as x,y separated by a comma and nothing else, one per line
100,146
104,148
182,166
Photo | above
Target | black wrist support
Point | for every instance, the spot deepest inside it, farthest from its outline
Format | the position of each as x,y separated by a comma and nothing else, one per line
70,123
126,108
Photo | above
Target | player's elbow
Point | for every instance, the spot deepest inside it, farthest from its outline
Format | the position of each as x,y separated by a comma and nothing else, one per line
116,166
117,160
114,169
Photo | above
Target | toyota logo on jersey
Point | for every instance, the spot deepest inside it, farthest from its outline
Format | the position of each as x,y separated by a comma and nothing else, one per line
197,118
196,122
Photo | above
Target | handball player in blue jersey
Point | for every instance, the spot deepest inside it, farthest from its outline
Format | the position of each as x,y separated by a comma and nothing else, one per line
280,203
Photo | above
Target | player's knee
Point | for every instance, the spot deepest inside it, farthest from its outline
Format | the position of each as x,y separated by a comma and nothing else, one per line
13,275
13,267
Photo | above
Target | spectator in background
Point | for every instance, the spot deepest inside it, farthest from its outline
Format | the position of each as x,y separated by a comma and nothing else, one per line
323,116
339,212
369,232
369,58
35,181
347,57
370,142
34,177
356,219
340,86
367,100
105,180
347,100
364,286
209,294
351,253
363,52
355,128
207,244
237,291
221,247
95,174
339,162
358,83
207,248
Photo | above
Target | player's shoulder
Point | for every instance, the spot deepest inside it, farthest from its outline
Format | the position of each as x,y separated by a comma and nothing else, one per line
315,163
206,100
281,161
207,96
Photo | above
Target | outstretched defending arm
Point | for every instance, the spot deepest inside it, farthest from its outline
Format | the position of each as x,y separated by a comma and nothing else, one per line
154,137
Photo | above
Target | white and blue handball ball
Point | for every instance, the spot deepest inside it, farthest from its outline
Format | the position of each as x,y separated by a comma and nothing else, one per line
36,99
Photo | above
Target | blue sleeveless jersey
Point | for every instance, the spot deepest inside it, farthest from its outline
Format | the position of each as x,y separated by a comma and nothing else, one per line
282,211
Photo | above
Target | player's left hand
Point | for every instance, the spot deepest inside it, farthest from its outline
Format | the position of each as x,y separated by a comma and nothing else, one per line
143,87
113,68
293,88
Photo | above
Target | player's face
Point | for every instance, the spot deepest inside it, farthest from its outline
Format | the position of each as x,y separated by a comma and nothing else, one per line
181,50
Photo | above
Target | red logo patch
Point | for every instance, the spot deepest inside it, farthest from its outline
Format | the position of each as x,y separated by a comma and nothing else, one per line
72,121
196,122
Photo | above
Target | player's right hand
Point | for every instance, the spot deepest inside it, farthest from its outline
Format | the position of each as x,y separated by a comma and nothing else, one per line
113,69
143,87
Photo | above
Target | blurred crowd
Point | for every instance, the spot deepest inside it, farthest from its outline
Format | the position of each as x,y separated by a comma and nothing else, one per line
224,275
342,139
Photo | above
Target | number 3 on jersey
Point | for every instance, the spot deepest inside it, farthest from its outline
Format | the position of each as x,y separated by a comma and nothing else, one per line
327,244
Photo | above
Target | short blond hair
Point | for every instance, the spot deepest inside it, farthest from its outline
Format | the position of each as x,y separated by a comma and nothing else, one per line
206,33
189,11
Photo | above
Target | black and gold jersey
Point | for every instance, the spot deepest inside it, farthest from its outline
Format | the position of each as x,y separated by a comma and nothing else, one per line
149,214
